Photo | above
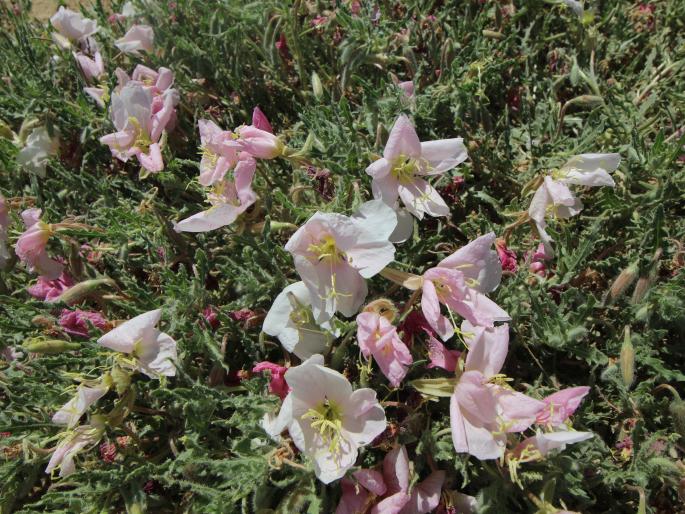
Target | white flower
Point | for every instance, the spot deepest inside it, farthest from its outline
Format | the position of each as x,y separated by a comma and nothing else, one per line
38,149
74,442
326,419
153,351
72,411
554,198
71,26
334,254
291,320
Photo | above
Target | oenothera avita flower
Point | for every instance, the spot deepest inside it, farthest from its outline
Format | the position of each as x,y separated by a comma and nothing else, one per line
138,38
388,491
31,246
560,406
37,150
483,409
4,229
149,350
94,72
71,27
554,199
334,254
73,442
291,320
71,412
405,165
140,125
220,152
326,419
229,197
378,337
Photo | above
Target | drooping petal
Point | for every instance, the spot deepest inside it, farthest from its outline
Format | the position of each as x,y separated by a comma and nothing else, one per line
430,306
443,155
420,198
478,262
425,496
402,140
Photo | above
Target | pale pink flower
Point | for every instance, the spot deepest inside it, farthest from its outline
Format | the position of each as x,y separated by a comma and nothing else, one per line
405,164
326,419
93,69
538,446
277,383
259,143
407,88
49,290
75,441
260,121
153,351
72,26
229,198
459,282
554,198
334,254
389,491
71,412
138,38
377,337
31,246
559,406
220,152
4,229
482,411
78,322
140,124
441,357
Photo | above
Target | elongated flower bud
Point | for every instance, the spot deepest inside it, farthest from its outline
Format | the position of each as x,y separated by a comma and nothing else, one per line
83,289
317,87
627,360
622,282
49,346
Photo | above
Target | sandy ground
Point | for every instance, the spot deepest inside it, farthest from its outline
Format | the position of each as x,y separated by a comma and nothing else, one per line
43,9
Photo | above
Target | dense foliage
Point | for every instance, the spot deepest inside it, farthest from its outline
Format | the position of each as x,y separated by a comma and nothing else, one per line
526,83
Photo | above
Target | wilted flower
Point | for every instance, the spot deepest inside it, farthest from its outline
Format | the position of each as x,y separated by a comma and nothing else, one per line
482,409
260,121
277,383
31,246
71,412
389,491
335,253
78,322
326,419
554,198
538,260
210,316
140,124
507,257
93,68
71,27
441,357
37,150
406,161
291,320
259,143
74,442
220,152
377,337
49,290
151,351
138,38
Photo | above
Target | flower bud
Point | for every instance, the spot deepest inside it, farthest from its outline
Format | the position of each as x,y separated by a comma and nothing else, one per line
49,346
317,87
83,289
627,360
622,282
383,307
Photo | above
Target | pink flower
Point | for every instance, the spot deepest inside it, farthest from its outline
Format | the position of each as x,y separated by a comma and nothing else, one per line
378,337
72,26
220,152
334,254
260,121
49,290
441,357
406,161
319,21
140,120
138,38
77,322
243,314
458,282
277,383
407,88
558,407
259,143
506,256
388,491
31,246
482,411
92,69
540,255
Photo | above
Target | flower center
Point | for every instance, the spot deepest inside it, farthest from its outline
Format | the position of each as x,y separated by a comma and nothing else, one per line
327,251
142,140
404,168
326,419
